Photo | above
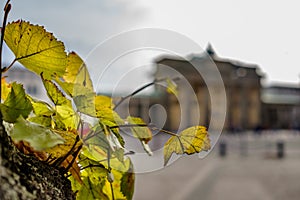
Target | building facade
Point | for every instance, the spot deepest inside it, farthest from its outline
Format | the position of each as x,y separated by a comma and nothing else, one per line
238,88
281,107
32,84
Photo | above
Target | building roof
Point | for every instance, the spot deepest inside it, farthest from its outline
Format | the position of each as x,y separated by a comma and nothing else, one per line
281,94
210,54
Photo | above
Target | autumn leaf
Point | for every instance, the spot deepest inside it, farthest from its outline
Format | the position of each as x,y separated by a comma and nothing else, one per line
189,141
55,94
71,141
35,48
85,103
5,88
77,72
74,168
76,82
16,104
143,133
171,87
45,121
93,176
42,113
41,108
107,116
39,137
127,182
123,180
65,116
105,112
103,101
101,137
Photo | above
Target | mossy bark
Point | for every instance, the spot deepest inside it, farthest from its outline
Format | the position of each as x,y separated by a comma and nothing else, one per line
24,177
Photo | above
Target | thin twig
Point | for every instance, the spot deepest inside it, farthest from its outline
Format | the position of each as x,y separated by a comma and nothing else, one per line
7,8
141,89
131,125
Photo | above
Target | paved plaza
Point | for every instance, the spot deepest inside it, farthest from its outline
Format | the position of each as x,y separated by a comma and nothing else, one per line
252,173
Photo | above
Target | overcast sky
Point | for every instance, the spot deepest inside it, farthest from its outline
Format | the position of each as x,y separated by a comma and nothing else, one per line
264,32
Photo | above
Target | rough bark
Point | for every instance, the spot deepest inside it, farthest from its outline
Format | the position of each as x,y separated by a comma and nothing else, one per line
24,177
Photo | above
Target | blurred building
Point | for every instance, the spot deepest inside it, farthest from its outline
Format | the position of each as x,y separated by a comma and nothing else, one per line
248,104
30,81
281,107
238,88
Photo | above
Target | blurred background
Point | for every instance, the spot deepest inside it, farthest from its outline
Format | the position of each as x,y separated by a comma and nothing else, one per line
253,44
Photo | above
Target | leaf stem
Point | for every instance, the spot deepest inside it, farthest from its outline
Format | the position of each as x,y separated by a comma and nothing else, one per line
164,131
151,126
131,125
5,69
141,89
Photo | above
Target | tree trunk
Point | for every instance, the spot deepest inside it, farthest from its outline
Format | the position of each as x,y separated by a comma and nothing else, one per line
24,177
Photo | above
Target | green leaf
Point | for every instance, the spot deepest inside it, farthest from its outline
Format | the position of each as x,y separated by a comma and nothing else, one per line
16,104
127,182
65,117
77,83
55,94
97,137
86,103
41,108
143,133
123,180
39,137
94,177
107,116
43,113
41,120
189,141
122,173
105,112
35,48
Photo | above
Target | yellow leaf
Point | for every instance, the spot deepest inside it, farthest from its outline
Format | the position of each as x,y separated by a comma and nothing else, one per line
93,178
143,133
35,48
171,87
67,116
56,96
103,101
189,141
105,112
15,104
123,180
41,108
77,84
5,89
61,150
77,72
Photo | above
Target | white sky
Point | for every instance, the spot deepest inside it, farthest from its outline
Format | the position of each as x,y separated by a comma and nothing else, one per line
263,32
